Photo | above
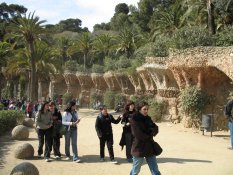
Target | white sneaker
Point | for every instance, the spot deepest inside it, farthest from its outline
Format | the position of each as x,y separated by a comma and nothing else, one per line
114,161
57,157
47,160
77,161
67,158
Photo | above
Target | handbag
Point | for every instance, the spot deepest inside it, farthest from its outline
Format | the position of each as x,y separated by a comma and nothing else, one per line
63,129
157,148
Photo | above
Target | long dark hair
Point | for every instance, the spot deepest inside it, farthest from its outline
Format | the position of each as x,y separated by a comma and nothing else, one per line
42,106
126,108
141,105
69,106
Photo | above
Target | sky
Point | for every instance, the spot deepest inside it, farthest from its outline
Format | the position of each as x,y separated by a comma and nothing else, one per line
90,12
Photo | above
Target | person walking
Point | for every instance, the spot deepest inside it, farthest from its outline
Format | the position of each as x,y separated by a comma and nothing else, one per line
104,132
228,113
57,122
43,123
71,119
29,109
143,130
126,138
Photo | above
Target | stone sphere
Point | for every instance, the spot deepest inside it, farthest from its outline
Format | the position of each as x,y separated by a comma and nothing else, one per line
25,168
24,151
28,122
20,132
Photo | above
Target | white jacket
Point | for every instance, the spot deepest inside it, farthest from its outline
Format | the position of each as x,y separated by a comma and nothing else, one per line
66,118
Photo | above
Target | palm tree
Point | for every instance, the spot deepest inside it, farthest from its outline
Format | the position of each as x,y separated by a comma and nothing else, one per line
28,29
103,44
126,42
46,63
167,20
5,52
61,49
83,45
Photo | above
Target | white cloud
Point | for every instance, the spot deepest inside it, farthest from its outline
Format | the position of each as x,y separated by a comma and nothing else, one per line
91,12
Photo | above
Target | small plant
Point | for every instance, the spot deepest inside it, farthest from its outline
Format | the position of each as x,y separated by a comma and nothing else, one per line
192,101
9,119
109,101
156,109
96,68
71,65
119,98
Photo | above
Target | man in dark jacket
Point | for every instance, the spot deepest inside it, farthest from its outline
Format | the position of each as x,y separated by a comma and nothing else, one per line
228,113
104,131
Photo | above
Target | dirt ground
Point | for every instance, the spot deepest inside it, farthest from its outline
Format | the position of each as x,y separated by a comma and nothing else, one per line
185,152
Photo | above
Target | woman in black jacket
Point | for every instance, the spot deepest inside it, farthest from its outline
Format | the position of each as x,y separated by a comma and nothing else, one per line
143,131
57,122
126,138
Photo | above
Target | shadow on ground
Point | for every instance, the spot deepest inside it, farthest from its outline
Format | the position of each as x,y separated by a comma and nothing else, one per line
96,159
6,142
179,160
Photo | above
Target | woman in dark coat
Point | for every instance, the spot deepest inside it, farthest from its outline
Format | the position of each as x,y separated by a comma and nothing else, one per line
57,122
126,138
143,131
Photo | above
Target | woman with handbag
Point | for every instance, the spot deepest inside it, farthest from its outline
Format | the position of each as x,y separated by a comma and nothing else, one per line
71,119
143,130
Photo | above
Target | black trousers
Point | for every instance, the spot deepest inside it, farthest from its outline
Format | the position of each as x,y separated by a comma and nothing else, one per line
109,140
128,141
55,144
44,136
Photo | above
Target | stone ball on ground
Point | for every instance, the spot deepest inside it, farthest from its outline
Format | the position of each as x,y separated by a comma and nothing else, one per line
28,122
24,151
25,168
20,132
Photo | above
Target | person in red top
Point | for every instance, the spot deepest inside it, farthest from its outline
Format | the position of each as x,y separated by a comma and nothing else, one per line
29,109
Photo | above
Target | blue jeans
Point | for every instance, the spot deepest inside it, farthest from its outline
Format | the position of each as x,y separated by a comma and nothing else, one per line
230,125
151,161
71,135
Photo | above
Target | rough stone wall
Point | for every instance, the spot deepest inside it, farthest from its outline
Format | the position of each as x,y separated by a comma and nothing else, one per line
209,68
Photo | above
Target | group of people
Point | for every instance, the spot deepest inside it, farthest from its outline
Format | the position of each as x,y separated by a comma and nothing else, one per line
48,123
137,135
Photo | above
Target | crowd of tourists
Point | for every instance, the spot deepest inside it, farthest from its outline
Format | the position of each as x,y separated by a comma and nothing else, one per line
137,135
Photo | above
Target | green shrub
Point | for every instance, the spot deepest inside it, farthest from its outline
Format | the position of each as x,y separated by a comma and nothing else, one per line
109,64
123,62
66,98
188,37
192,101
1,106
95,97
71,65
109,101
119,98
96,68
156,109
224,38
9,119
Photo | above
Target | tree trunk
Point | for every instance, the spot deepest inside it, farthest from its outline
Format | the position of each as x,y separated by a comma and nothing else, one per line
33,91
211,23
84,60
